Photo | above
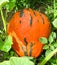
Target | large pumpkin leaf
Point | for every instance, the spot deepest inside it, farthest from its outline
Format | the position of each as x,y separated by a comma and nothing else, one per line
5,63
18,61
6,45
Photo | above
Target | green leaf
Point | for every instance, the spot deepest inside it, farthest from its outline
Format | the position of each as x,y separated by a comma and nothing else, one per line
1,44
10,5
1,31
6,45
47,52
55,44
46,47
18,61
43,40
52,37
5,63
53,34
55,23
2,2
52,48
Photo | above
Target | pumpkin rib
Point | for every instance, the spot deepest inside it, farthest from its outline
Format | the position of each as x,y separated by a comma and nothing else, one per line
10,26
42,18
31,12
39,18
32,17
48,27
36,52
31,45
18,42
25,41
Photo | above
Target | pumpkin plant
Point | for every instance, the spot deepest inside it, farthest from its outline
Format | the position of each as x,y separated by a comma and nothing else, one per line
26,27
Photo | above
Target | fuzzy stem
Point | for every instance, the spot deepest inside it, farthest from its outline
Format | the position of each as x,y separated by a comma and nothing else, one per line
3,19
48,57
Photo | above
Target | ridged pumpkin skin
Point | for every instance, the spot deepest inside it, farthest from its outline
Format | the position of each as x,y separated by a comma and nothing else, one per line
26,27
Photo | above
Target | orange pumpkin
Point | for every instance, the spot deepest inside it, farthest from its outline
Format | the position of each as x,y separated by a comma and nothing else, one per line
26,27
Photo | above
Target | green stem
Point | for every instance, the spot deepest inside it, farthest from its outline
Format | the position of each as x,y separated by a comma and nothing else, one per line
3,19
48,57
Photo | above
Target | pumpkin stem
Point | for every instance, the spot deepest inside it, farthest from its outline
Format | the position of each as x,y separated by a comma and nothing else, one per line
3,19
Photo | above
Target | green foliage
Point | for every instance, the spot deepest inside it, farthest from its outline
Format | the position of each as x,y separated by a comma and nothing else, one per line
49,7
49,47
55,9
10,5
48,57
55,23
46,47
52,37
18,61
5,63
3,2
6,45
43,40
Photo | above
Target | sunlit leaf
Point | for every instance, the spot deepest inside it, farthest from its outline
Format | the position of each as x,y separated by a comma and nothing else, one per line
43,40
55,23
46,47
52,37
5,63
6,45
2,2
10,5
18,61
47,52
